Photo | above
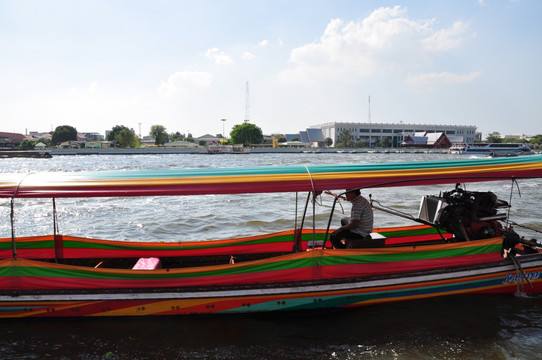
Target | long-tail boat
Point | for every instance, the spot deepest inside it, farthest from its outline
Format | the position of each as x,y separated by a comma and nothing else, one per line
460,242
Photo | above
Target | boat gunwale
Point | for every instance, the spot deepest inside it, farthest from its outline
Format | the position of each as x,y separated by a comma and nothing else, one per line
373,282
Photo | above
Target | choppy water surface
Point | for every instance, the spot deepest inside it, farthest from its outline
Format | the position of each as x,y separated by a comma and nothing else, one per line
465,327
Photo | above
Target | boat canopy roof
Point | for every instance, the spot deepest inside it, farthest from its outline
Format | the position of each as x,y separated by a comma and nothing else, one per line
264,179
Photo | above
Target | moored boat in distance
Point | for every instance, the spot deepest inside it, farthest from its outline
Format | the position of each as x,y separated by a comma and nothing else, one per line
459,242
457,148
494,149
42,154
227,149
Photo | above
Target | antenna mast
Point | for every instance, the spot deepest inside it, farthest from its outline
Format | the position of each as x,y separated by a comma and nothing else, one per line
247,105
371,130
369,109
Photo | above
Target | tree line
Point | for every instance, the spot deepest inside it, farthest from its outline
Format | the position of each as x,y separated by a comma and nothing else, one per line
495,137
241,134
123,137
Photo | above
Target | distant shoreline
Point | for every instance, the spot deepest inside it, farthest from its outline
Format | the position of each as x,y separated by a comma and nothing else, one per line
201,151
155,151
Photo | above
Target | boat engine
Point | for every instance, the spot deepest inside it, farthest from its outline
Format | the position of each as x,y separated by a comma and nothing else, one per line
471,215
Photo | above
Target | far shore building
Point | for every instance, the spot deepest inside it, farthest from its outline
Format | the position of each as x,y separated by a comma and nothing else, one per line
10,141
428,140
180,144
515,137
208,139
91,136
97,144
374,133
311,137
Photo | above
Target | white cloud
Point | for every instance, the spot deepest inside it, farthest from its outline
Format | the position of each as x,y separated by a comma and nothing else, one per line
384,42
93,87
446,39
263,43
219,57
431,79
183,80
248,56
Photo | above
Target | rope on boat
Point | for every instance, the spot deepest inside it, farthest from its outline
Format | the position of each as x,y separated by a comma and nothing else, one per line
524,227
310,177
514,181
521,275
313,205
12,216
337,197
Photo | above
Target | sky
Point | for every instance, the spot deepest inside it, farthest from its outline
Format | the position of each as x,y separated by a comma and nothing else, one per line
283,65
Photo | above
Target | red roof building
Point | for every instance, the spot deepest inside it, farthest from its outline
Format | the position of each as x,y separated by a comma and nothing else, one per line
428,140
10,140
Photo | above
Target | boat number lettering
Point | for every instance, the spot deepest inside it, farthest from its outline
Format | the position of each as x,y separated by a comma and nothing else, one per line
512,278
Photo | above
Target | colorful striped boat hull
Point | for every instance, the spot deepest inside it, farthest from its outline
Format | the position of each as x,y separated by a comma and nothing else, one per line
65,276
498,278
310,279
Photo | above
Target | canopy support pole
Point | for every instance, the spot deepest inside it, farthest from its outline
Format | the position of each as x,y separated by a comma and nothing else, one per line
12,218
314,217
329,221
59,253
299,232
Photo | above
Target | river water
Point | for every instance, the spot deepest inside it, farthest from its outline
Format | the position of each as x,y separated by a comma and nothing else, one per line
460,327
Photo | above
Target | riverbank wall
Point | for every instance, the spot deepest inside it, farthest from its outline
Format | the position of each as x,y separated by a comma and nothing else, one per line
203,151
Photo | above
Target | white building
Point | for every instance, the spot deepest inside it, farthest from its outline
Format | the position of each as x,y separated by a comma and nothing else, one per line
373,133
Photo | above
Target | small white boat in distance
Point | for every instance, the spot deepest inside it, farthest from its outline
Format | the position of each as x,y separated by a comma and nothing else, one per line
457,148
496,149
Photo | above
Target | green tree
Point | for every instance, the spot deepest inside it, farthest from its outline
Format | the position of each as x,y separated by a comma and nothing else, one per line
360,143
27,145
246,133
345,139
159,134
537,139
328,141
64,133
494,137
280,137
127,138
114,132
386,142
536,142
514,140
176,136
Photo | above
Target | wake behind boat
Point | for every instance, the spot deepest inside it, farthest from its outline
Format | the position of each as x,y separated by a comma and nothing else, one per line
459,242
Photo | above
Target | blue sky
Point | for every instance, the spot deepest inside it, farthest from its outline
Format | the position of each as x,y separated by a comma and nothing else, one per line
185,64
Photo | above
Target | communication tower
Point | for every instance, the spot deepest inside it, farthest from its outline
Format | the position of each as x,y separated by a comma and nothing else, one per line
369,117
247,105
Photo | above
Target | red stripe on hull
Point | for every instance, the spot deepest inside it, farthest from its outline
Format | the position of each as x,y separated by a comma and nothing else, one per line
273,276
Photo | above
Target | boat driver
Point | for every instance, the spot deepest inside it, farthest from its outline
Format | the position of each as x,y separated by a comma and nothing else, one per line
355,231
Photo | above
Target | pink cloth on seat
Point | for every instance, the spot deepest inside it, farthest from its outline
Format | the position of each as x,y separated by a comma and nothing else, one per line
151,263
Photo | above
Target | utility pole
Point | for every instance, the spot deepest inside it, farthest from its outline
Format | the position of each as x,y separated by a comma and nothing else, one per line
223,122
247,105
370,127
